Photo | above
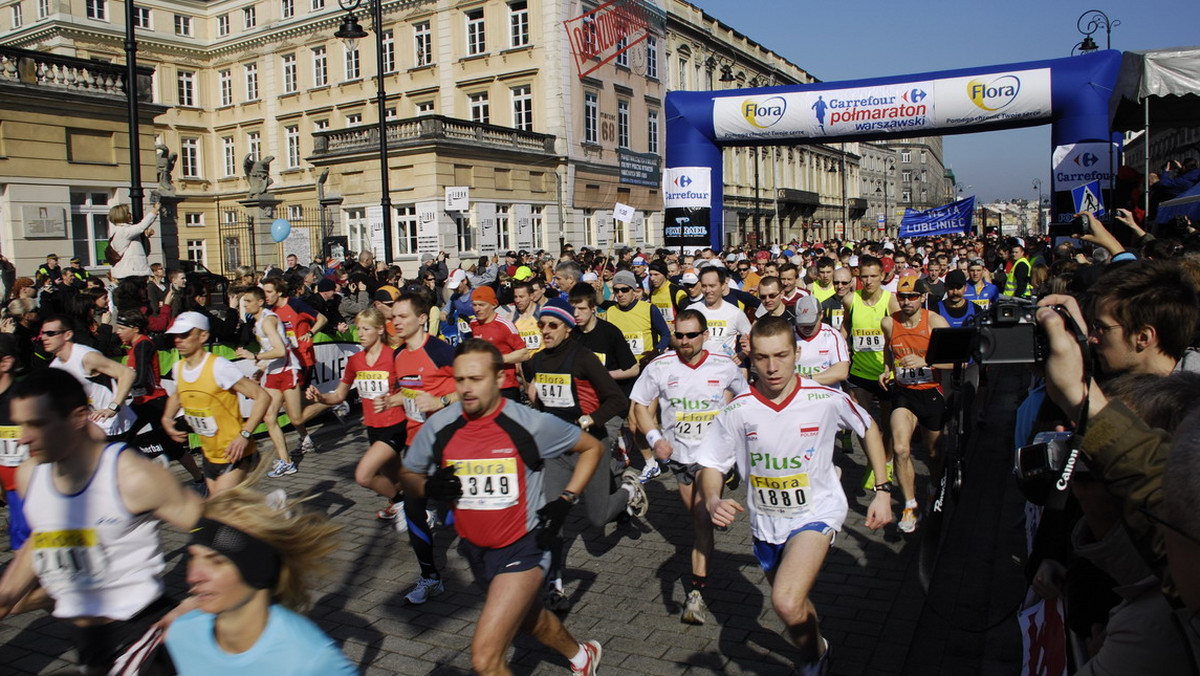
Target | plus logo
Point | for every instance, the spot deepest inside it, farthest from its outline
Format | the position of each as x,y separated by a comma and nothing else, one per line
682,181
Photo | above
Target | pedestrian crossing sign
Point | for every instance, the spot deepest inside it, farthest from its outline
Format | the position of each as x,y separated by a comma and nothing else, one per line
1088,199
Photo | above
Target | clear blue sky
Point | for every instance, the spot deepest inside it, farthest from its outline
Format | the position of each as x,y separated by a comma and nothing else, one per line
854,40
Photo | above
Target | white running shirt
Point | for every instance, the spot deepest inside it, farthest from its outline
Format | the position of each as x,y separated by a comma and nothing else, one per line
689,397
784,452
817,354
725,324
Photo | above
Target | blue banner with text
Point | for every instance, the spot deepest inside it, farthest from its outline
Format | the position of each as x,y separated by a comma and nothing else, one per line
950,219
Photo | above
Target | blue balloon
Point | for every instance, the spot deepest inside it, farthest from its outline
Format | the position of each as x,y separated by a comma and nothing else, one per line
280,229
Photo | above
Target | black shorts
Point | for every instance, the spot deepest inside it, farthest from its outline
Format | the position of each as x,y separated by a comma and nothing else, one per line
101,645
393,436
928,405
869,385
684,474
215,470
520,556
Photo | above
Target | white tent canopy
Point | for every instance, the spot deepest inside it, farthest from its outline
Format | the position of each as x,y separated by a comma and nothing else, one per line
1157,88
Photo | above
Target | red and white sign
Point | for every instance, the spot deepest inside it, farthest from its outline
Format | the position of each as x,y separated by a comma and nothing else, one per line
598,36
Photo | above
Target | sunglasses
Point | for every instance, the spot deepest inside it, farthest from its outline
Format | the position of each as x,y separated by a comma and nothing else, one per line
549,325
622,289
837,283
908,296
688,334
769,296
50,334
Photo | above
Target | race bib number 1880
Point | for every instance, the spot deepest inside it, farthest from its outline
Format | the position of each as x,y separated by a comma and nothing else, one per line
780,496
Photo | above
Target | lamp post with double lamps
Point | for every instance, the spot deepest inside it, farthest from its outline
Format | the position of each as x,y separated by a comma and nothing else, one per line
1095,20
1037,185
349,33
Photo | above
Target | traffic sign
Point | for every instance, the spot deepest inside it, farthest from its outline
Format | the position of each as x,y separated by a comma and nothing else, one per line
1088,199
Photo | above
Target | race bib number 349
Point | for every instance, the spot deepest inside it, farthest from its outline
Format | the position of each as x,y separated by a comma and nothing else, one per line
487,484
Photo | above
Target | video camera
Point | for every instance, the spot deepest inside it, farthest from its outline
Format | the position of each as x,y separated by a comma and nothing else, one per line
1006,333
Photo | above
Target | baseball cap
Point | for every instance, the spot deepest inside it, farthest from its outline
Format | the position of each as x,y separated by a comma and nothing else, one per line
853,262
977,261
510,254
589,276
387,293
187,321
639,261
457,277
911,284
624,277
523,273
808,311
559,309
76,259
888,265
955,279
485,294
426,257
689,278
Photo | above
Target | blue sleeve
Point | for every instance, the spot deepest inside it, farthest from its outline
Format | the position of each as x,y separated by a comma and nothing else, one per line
300,306
419,456
659,326
440,352
554,436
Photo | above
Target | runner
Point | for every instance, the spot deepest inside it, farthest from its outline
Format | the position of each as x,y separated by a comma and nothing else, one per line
793,289
834,307
689,386
106,382
300,324
150,399
372,372
207,389
725,321
780,436
12,452
954,308
980,291
499,332
524,316
770,292
664,295
823,287
822,355
501,501
279,369
94,511
865,311
916,395
424,368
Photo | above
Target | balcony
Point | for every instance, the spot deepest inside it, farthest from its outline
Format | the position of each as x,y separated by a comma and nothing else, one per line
428,130
69,75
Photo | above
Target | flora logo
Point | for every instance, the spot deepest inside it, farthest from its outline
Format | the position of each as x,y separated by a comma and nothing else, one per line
994,94
764,113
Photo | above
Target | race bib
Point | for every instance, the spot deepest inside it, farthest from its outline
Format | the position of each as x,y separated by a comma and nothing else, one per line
487,484
868,340
291,336
554,390
372,384
836,317
410,405
201,421
463,327
69,557
636,342
667,310
917,376
690,426
12,453
716,328
533,339
780,496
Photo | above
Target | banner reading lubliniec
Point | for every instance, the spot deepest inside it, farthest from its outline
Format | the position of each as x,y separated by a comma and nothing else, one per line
950,219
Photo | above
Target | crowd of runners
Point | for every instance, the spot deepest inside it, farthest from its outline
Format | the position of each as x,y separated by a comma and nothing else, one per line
495,398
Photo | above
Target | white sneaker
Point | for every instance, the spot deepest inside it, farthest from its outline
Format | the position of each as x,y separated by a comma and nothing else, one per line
307,445
650,471
593,650
639,502
427,588
693,608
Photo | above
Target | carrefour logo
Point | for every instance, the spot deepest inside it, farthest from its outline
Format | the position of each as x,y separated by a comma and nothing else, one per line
765,113
994,94
1086,159
682,181
914,95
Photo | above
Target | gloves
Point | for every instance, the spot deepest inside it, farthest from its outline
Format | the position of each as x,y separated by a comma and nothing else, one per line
551,518
443,485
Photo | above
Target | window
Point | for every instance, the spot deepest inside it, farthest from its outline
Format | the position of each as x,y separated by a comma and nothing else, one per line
906,176
652,132
353,119
320,67
906,196
187,88
406,229
43,7
476,39
89,225
622,54
466,234
97,9
480,110
317,5
193,219
683,73
252,82
293,146
358,230
425,108
518,24
232,256
389,113
289,74
288,8
591,118
183,25
141,18
652,57
223,25
295,213
422,44
622,124
189,157
389,51
254,144
923,155
249,17
229,153
18,17
906,156
538,226
195,250
225,77
353,67
522,99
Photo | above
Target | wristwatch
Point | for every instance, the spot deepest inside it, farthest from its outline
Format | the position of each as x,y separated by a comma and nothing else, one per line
245,434
445,401
885,487
114,407
570,497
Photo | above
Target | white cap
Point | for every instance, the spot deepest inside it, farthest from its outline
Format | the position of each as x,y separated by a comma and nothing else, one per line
689,278
456,278
589,276
853,262
187,321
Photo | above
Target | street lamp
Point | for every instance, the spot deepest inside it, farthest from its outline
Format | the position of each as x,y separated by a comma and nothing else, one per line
1095,20
1037,185
349,33
131,101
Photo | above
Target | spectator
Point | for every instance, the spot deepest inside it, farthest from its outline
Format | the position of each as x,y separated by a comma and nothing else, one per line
156,286
326,302
131,240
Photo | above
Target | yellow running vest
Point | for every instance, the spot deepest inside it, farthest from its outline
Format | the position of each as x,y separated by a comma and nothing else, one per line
211,412
866,336
634,325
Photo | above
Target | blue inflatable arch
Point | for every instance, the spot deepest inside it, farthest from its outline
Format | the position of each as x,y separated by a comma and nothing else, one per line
1070,94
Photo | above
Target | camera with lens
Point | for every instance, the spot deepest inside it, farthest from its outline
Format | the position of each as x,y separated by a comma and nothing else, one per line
1008,333
1040,467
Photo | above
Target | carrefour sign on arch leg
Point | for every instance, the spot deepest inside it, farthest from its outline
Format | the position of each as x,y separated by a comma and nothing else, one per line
907,108
687,198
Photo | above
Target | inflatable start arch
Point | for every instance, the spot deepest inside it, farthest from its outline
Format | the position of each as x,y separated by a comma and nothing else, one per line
1070,94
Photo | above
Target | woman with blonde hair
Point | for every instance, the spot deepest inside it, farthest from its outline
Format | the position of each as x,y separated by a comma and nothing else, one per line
130,240
253,560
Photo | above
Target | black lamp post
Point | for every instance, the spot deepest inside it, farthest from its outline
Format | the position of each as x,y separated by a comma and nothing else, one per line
131,99
1088,23
349,32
